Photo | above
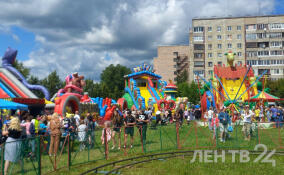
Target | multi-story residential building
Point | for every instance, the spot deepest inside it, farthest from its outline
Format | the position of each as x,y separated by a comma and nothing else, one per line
171,61
256,40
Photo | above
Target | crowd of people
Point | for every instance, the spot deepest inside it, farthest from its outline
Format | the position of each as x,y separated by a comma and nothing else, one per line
25,127
222,119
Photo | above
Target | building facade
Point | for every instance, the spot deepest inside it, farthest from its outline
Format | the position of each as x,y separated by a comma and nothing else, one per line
171,61
256,40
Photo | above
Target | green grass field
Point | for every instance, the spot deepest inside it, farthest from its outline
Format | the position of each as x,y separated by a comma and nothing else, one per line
162,139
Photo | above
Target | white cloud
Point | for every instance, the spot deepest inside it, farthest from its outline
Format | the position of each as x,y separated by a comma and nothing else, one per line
76,35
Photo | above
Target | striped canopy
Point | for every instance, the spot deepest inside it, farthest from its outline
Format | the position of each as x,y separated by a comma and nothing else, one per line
265,97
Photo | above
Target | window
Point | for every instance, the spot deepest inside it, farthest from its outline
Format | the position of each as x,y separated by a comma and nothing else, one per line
262,26
251,36
219,46
209,37
210,55
276,26
251,54
275,71
239,54
239,63
219,63
229,37
251,27
198,38
252,62
218,28
239,36
198,55
197,29
209,29
209,46
261,35
229,28
251,45
239,27
175,72
219,37
219,54
276,44
239,45
175,66
263,44
198,46
275,35
175,53
263,53
210,64
198,64
229,46
276,52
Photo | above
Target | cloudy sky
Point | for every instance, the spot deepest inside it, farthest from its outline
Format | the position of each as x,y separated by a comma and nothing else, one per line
87,35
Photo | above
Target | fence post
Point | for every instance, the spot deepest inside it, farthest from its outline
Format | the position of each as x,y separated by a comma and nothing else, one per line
69,152
177,135
39,154
161,138
89,136
106,144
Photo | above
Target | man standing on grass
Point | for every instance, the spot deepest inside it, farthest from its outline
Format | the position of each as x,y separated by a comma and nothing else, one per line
224,120
129,127
247,116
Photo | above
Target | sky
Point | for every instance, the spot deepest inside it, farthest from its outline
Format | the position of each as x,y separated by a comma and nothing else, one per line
86,36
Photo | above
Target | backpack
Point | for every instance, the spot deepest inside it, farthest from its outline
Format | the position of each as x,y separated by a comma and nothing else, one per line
32,129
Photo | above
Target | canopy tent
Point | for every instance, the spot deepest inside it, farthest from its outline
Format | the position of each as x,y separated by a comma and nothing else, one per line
265,97
4,104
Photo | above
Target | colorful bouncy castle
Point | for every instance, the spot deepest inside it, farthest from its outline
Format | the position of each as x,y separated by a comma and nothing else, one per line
229,84
144,89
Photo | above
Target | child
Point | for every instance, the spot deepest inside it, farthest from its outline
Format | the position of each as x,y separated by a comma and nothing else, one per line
82,128
108,132
214,125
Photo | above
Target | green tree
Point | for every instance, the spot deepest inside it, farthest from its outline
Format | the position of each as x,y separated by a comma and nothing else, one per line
190,91
112,77
53,83
276,88
35,81
194,95
22,69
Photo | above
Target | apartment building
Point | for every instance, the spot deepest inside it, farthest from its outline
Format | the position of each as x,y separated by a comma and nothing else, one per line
171,61
256,40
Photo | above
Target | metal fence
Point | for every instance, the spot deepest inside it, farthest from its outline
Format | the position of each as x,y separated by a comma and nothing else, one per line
34,155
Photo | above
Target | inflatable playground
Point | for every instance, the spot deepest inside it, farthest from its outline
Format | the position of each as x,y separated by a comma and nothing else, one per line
232,85
143,90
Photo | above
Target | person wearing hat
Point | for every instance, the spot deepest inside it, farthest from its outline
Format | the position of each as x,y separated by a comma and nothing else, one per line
247,116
